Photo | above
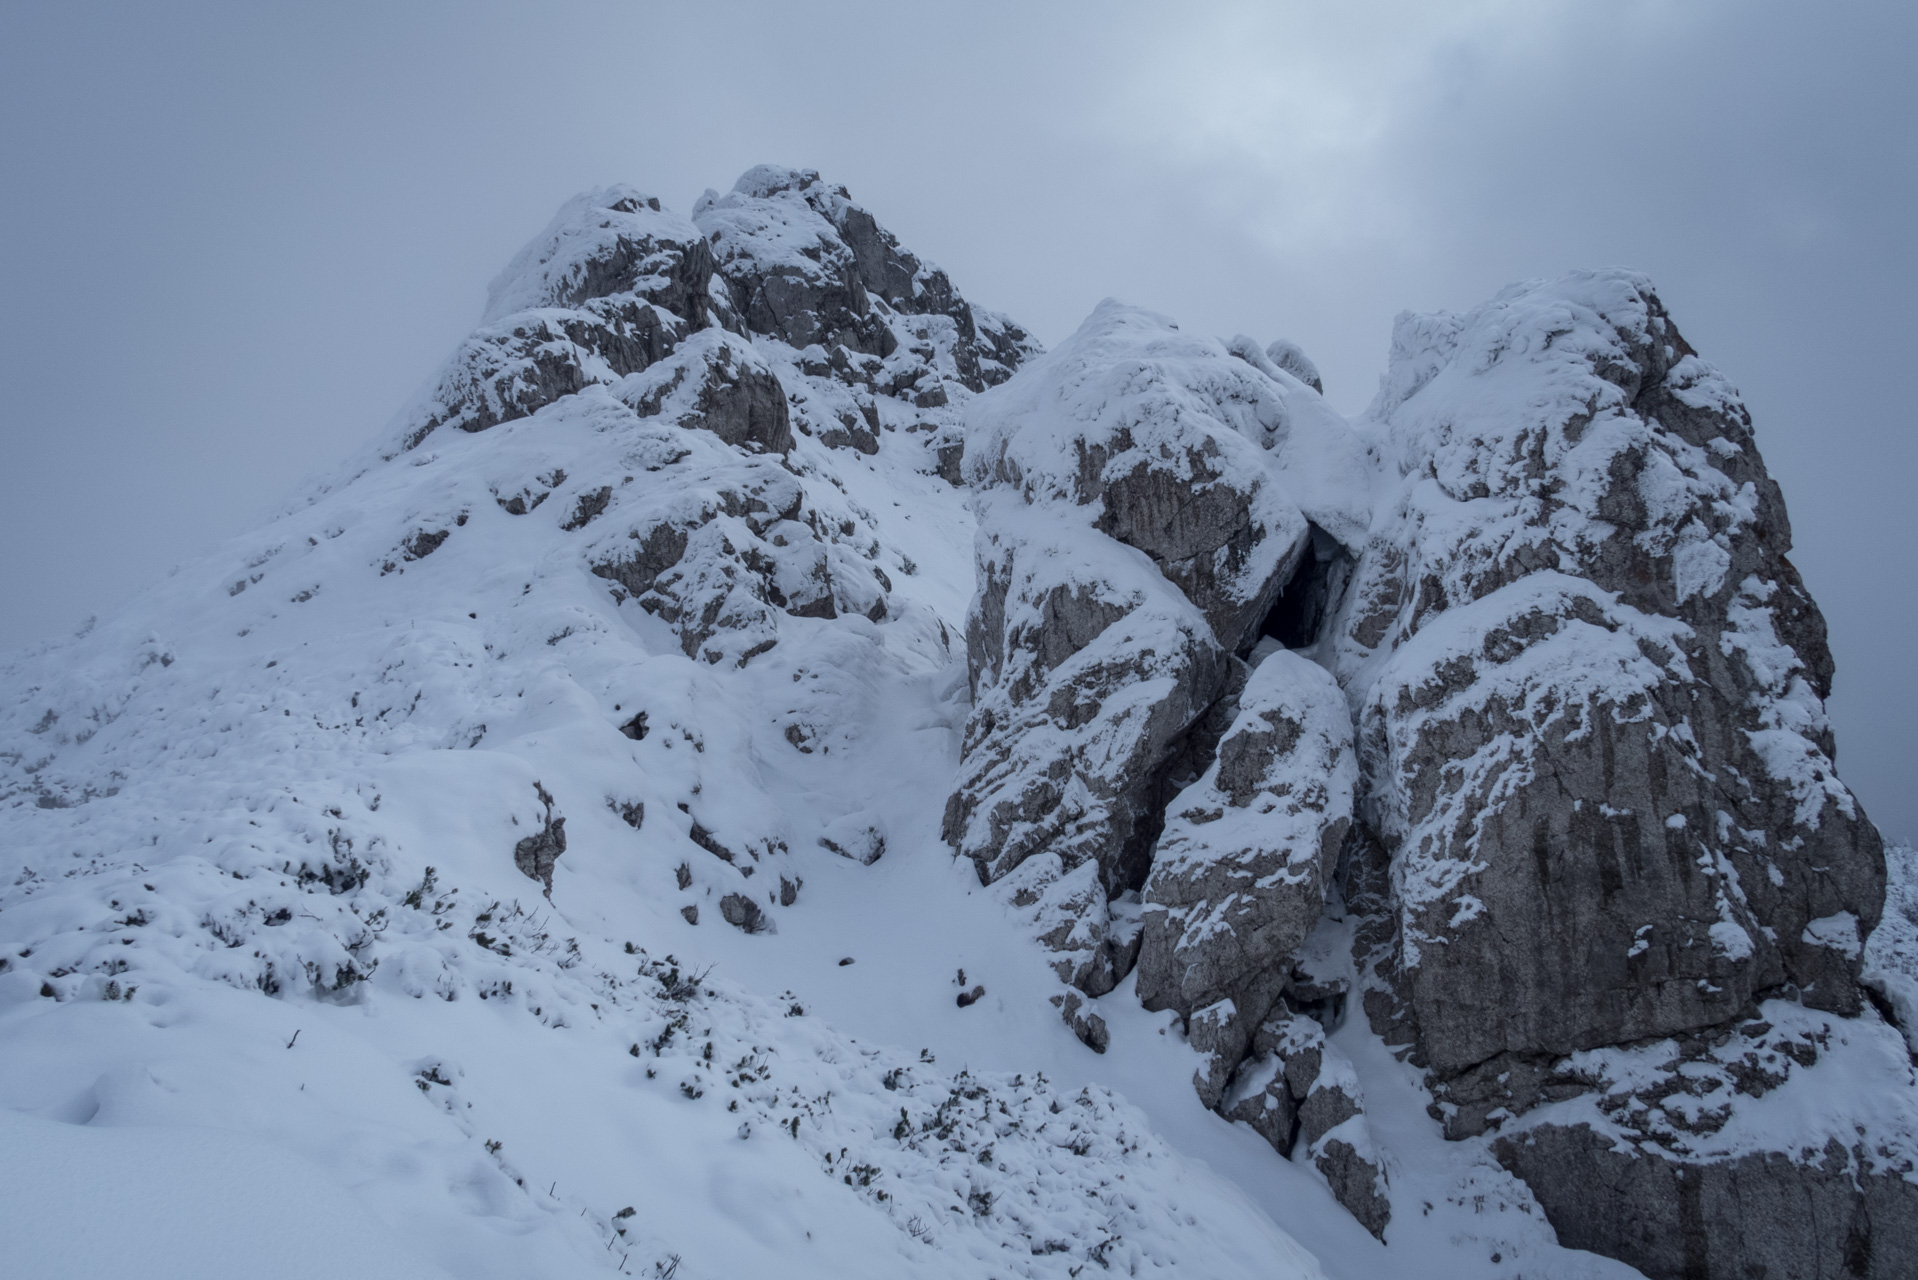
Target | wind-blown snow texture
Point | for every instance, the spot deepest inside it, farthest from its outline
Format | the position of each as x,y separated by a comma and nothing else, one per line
523,856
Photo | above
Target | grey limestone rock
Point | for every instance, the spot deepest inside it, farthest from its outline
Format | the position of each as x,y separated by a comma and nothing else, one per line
1834,1213
1086,1023
743,913
608,289
1301,1095
1356,1181
1593,747
723,552
1260,1097
1122,557
784,265
718,383
1239,875
798,259
535,854
1591,731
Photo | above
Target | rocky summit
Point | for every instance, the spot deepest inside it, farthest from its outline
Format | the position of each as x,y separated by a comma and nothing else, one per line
763,769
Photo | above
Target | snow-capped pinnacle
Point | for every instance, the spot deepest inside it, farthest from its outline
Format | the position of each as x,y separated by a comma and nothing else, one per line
765,180
596,245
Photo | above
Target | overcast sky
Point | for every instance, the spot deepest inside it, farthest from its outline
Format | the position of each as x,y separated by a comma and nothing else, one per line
233,239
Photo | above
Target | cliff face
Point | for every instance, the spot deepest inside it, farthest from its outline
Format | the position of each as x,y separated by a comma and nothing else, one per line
1596,803
737,572
1596,766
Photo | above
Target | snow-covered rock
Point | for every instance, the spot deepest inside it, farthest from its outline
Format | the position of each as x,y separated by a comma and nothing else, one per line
1589,686
1303,1096
1136,526
501,850
1290,357
1891,952
608,288
799,261
1786,1147
1239,876
1589,692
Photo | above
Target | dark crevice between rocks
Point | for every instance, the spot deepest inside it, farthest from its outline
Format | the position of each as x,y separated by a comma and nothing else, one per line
1890,1014
1301,608
1298,616
1189,756
1186,761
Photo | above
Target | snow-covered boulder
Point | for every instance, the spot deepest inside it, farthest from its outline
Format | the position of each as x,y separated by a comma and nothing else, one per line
1299,1093
1239,875
719,383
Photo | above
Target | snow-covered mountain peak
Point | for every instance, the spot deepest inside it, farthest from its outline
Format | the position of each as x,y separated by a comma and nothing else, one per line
607,241
538,845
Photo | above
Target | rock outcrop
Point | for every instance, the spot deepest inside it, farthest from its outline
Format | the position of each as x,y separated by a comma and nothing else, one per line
668,393
609,288
1593,803
717,383
1134,530
1834,1212
1239,876
1594,750
1590,688
1302,1095
1129,778
799,261
536,855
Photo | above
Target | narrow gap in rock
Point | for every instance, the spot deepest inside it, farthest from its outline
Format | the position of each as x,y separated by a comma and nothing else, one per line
1297,618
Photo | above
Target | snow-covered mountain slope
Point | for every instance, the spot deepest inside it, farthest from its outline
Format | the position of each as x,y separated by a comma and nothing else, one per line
284,793
529,853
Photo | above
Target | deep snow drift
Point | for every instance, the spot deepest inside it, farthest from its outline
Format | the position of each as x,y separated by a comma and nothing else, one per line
529,853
